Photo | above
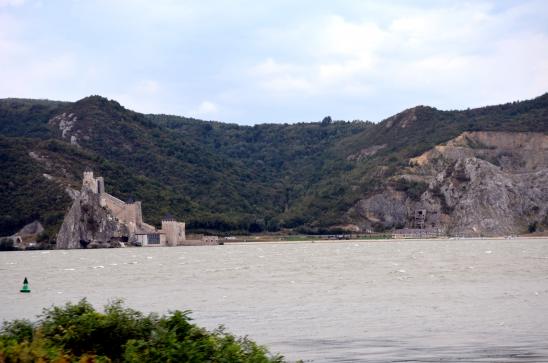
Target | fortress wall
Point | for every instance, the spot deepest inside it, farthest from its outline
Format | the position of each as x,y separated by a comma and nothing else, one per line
129,213
145,228
114,204
182,231
174,231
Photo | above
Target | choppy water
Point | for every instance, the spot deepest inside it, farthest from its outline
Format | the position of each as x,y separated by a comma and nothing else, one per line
413,301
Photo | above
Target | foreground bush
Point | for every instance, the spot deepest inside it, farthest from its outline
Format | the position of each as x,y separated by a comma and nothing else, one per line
79,333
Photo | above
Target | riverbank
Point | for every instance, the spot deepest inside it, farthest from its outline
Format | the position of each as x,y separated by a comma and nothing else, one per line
358,240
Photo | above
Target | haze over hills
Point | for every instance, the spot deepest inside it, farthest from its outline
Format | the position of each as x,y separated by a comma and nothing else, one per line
310,177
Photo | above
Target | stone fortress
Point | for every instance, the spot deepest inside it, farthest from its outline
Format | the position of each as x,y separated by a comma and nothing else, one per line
98,219
130,214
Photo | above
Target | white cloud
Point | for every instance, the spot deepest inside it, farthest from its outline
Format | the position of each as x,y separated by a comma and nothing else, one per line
280,78
206,109
455,54
35,77
6,3
279,60
356,40
149,87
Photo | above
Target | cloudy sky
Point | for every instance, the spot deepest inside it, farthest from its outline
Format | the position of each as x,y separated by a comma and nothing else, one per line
275,61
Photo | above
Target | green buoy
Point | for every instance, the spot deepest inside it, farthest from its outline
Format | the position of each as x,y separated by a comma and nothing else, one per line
25,287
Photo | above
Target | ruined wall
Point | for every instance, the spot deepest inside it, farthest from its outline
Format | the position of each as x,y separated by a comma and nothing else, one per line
126,212
174,231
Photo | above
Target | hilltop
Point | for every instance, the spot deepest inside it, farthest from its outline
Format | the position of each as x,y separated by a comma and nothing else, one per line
311,177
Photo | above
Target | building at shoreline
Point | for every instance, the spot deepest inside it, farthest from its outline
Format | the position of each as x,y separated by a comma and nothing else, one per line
172,232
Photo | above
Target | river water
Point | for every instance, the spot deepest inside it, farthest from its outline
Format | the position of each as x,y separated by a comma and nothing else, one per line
393,301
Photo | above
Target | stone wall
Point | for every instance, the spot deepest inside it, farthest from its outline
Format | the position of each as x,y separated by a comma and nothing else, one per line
174,231
125,212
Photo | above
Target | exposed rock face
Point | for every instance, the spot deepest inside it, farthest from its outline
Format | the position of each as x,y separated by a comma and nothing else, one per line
72,193
87,224
480,183
66,123
33,228
403,119
481,199
387,209
366,152
27,235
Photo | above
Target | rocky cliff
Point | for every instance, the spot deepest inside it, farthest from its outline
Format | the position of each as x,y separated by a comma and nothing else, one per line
87,225
479,183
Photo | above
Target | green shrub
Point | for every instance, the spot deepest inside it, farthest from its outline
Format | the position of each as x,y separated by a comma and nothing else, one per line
414,189
77,332
6,244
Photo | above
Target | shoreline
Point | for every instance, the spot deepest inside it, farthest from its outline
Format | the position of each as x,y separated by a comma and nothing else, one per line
314,241
311,241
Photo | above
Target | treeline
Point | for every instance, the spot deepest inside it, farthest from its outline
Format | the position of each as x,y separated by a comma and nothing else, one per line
222,177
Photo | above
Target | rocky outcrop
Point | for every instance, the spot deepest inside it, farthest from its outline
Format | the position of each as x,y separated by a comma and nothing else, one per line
365,153
482,199
66,123
87,224
384,210
405,118
26,237
31,229
480,183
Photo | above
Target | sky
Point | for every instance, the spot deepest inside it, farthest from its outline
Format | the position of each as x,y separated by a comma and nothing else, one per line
251,62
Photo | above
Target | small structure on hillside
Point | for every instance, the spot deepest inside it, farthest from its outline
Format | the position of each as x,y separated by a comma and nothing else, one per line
424,218
420,217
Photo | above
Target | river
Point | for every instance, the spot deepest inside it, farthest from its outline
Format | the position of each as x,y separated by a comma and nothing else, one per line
392,301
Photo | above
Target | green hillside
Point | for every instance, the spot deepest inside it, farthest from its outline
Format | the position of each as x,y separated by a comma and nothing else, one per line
218,176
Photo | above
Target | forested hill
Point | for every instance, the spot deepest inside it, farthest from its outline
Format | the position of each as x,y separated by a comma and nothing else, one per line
217,176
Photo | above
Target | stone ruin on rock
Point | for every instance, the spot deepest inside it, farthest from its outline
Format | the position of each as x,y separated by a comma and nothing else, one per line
98,219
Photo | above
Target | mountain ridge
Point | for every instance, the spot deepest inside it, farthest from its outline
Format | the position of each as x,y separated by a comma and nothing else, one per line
227,177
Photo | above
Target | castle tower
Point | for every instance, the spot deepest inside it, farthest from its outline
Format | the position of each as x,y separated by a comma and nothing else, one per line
138,213
90,182
174,231
100,185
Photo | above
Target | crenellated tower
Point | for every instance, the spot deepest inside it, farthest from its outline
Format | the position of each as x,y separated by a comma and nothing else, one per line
96,185
174,231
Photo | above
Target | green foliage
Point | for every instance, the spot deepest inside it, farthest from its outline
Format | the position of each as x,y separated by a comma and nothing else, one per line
27,118
223,177
24,191
413,189
77,332
6,244
19,330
